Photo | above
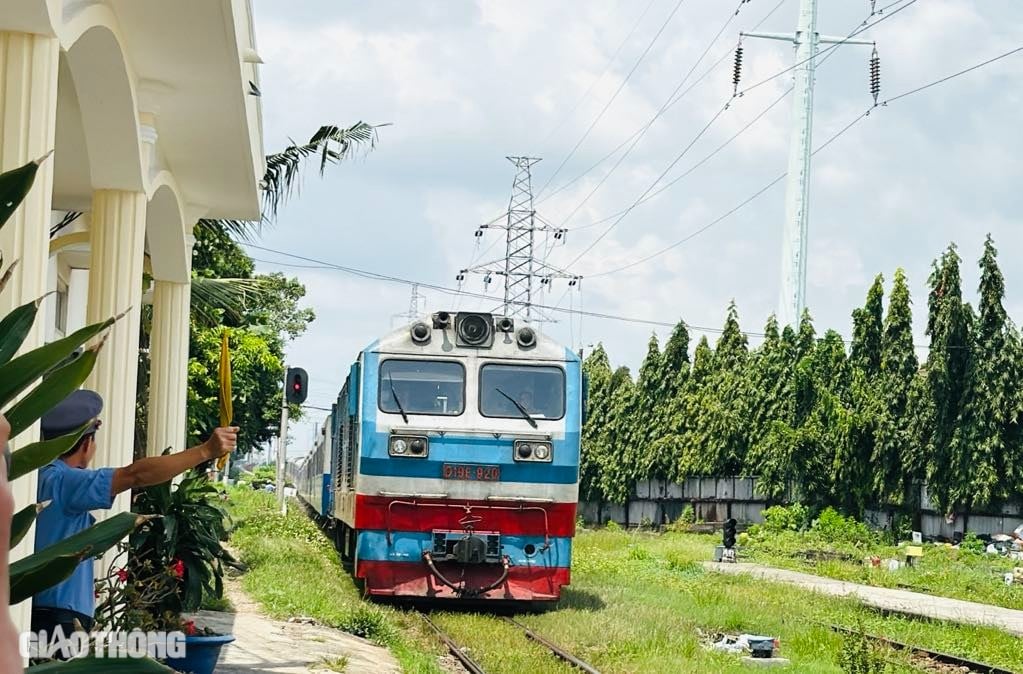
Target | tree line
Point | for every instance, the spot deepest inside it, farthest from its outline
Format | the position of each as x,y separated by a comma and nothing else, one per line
850,425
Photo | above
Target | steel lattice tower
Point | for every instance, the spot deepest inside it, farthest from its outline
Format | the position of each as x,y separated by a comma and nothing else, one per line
520,265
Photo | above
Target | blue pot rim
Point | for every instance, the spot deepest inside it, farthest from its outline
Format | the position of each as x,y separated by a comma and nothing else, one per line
210,640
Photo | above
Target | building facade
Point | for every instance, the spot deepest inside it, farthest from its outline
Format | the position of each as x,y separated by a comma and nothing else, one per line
151,110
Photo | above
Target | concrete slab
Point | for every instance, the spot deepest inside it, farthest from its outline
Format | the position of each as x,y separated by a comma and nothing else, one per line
265,645
916,603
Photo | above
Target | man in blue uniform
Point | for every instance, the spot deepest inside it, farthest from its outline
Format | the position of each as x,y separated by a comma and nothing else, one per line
73,489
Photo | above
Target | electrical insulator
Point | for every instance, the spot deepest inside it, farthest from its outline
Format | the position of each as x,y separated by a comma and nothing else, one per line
875,75
460,277
486,279
479,232
737,73
873,5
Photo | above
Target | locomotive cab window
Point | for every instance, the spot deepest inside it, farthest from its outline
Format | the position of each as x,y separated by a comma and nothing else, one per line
422,387
507,390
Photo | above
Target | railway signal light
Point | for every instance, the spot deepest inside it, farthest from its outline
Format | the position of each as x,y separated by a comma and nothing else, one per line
296,386
729,537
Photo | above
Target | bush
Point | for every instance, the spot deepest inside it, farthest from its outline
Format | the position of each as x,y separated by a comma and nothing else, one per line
613,526
831,527
971,543
780,518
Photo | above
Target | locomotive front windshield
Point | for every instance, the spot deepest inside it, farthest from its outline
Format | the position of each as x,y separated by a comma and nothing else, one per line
539,389
422,387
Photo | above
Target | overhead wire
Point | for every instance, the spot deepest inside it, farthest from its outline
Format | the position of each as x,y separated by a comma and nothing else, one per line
671,100
661,111
607,67
321,264
739,93
611,100
821,147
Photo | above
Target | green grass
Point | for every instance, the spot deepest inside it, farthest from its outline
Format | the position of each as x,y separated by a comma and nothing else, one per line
942,571
295,571
639,602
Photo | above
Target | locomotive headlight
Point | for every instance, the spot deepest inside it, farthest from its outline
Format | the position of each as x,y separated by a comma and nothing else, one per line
529,450
410,446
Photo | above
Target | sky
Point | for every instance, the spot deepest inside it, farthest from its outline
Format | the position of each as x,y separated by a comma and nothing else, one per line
462,84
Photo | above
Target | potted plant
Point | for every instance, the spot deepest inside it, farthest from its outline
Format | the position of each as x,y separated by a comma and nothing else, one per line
174,562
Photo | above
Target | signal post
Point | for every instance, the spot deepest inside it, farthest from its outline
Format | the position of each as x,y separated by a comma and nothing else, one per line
296,388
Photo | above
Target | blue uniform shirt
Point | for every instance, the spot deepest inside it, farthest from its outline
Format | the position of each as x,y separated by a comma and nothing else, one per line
72,493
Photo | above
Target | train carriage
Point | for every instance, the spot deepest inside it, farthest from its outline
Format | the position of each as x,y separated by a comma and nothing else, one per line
455,461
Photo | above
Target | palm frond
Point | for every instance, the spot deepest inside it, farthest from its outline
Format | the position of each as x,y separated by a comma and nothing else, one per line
331,143
214,299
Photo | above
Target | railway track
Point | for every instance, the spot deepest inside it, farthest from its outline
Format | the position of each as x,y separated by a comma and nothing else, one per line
474,667
935,656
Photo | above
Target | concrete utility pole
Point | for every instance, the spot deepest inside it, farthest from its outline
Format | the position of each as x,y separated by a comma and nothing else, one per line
520,265
797,192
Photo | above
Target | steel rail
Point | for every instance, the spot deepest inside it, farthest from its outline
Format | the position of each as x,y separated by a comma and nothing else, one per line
937,656
470,665
554,648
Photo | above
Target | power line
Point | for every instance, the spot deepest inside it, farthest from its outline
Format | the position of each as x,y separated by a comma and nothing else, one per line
621,86
321,264
607,67
643,197
671,100
826,143
660,112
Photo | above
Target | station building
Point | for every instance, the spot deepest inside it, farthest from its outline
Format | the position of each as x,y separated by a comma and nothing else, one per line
152,111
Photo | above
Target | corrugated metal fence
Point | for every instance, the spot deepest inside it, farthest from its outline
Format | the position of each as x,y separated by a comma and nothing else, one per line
656,502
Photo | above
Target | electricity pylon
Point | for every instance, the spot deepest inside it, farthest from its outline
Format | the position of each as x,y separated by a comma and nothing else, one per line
520,265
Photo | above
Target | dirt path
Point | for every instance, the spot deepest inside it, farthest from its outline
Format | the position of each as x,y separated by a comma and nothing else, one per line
941,608
265,645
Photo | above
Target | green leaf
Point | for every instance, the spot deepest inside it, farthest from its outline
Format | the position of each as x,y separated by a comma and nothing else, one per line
50,566
101,666
37,579
18,374
57,386
14,327
23,519
14,185
38,454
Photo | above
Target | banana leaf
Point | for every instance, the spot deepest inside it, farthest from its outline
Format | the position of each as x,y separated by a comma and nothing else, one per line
57,386
14,185
50,566
102,666
14,327
38,454
18,374
23,519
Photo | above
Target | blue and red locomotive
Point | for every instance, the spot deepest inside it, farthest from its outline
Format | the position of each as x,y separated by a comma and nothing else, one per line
449,465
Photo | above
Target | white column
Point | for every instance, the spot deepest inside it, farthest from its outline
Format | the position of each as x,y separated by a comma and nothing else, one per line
168,367
28,114
117,238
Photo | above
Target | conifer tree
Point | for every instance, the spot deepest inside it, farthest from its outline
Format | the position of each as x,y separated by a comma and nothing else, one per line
726,412
895,444
616,475
949,323
642,432
594,448
867,330
769,380
981,440
672,375
691,424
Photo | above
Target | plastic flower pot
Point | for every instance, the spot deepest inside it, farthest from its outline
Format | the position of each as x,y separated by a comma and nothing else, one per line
201,654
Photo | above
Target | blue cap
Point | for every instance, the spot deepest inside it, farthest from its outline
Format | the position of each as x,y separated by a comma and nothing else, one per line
72,413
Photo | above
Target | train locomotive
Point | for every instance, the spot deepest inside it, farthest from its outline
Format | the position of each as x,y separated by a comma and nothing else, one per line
448,468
